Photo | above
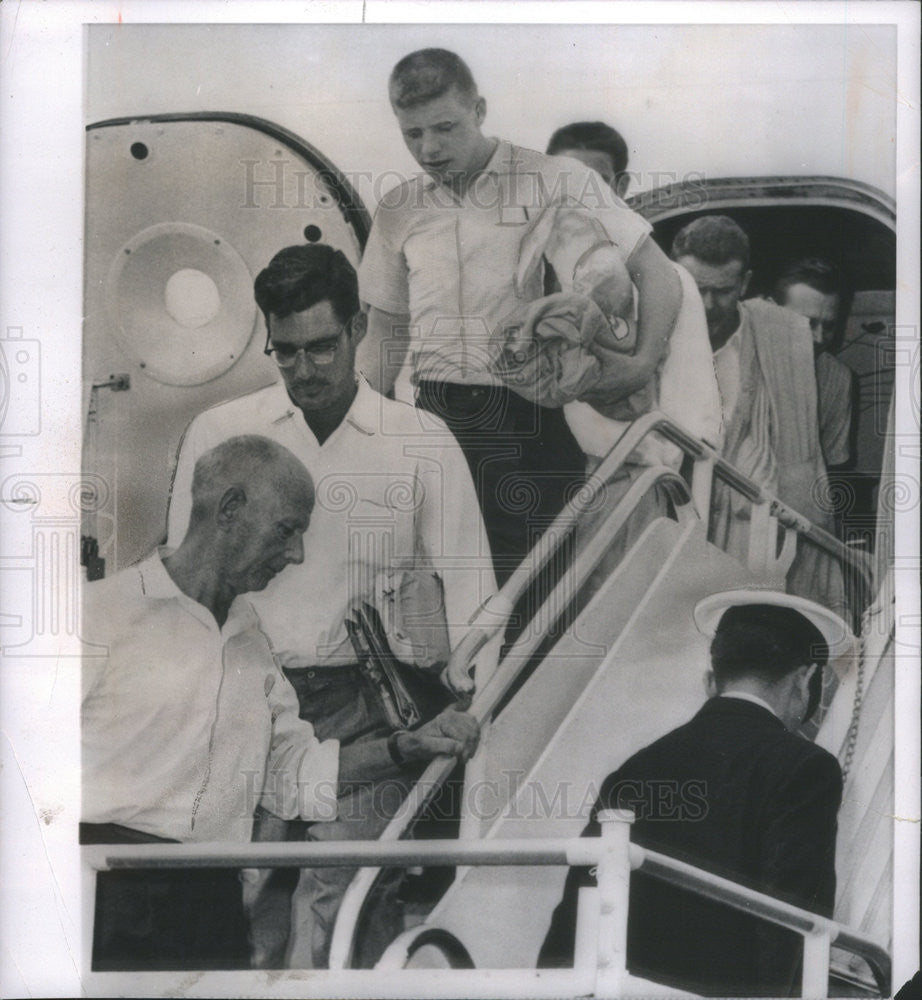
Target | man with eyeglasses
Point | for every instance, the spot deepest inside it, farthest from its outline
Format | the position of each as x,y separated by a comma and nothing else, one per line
394,498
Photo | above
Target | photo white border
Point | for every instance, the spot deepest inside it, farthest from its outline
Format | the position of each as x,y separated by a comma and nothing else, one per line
42,119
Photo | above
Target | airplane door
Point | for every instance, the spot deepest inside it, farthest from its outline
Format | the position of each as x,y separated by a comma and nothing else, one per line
182,212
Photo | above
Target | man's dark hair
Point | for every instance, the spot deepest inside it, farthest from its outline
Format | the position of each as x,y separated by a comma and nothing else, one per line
714,239
299,277
765,641
424,75
821,275
595,136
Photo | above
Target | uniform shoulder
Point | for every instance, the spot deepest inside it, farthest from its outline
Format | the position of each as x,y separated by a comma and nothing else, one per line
565,179
393,410
246,400
790,758
108,601
532,158
818,757
119,582
522,156
668,747
757,733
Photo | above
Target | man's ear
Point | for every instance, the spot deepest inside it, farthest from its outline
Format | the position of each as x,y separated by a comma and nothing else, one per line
805,672
480,110
232,502
358,326
622,184
710,684
810,684
747,277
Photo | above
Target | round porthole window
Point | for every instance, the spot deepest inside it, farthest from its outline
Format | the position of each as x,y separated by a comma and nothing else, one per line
180,303
191,297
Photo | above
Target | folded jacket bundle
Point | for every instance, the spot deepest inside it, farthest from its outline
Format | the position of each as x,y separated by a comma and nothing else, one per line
543,350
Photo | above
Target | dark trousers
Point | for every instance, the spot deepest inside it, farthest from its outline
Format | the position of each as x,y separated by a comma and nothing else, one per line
162,919
523,458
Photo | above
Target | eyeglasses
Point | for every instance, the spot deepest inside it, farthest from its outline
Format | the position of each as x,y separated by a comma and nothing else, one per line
321,352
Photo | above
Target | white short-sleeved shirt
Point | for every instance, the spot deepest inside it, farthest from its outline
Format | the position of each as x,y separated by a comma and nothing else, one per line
186,726
450,262
392,489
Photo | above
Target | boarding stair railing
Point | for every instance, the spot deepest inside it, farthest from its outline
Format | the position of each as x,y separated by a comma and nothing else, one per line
769,515
600,957
774,533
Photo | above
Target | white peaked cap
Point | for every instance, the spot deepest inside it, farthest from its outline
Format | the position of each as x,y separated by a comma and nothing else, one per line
837,635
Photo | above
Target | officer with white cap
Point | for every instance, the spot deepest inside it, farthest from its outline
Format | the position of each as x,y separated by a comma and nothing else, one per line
792,695
736,791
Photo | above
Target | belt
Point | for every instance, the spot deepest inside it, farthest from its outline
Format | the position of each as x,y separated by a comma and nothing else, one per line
457,390
115,833
347,672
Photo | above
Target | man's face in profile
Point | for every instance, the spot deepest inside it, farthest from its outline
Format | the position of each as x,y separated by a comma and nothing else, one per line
721,287
820,309
443,135
270,534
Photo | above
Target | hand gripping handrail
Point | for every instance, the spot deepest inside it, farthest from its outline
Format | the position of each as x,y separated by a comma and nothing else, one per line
494,614
486,624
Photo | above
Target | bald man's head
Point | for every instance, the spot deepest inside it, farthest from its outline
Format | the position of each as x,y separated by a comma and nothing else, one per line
249,461
255,498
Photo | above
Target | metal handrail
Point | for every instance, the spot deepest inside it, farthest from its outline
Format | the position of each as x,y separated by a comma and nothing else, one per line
485,626
497,609
341,853
786,515
758,904
587,559
494,614
574,851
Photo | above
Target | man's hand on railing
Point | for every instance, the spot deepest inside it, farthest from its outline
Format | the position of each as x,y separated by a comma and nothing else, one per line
457,678
451,732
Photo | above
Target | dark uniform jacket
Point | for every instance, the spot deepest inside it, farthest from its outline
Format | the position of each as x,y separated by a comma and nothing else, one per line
733,792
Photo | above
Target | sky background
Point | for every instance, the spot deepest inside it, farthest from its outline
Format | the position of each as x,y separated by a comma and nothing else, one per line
731,100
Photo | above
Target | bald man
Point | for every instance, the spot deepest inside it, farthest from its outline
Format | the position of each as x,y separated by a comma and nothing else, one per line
188,723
